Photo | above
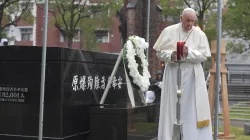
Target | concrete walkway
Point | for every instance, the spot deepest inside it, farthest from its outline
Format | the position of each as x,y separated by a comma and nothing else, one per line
234,123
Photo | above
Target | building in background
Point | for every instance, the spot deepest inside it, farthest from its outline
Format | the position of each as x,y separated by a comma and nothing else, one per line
31,34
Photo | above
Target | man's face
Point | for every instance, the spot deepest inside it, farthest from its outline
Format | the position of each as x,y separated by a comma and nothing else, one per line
159,77
188,20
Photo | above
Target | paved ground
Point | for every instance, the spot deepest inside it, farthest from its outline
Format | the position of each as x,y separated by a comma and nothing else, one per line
235,123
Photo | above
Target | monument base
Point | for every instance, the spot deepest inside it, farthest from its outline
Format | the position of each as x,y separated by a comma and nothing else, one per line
81,136
123,123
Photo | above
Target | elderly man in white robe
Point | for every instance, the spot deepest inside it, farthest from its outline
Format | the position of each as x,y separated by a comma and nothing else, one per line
195,111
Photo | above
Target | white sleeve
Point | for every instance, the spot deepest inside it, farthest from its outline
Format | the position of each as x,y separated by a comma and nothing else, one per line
195,56
163,51
164,55
162,41
203,51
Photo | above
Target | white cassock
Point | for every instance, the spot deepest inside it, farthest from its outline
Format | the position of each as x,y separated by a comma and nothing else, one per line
195,111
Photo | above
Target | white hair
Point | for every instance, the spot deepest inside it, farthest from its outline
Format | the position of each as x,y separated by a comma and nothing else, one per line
187,9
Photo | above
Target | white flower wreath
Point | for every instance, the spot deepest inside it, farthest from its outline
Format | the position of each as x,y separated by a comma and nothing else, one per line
135,46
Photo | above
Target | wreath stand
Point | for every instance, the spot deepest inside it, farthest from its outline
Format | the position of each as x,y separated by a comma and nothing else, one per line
223,71
128,82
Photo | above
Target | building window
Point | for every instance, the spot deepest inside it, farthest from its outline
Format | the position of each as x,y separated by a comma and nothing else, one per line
102,36
76,38
96,15
98,11
26,34
62,37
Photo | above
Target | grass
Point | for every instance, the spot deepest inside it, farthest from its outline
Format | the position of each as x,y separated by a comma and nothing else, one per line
241,107
240,114
237,116
145,127
238,133
246,111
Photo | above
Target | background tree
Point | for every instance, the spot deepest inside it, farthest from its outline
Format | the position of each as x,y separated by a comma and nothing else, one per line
172,9
210,27
175,7
11,11
236,20
210,31
101,21
72,16
235,48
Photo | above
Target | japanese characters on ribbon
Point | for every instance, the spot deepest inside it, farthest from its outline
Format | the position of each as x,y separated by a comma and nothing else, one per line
84,82
13,94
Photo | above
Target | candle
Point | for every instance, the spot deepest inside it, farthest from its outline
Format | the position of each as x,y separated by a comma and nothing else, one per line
180,46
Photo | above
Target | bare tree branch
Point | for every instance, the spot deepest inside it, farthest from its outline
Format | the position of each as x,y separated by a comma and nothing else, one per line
56,21
6,5
246,13
62,14
199,5
71,14
209,4
2,6
187,3
11,2
68,14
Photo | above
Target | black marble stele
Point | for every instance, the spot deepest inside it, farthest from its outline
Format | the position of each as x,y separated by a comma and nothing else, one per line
121,122
75,81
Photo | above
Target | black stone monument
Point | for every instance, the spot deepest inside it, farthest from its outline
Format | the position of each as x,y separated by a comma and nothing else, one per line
75,80
74,83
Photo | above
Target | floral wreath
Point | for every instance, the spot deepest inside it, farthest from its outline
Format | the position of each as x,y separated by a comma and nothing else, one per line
136,63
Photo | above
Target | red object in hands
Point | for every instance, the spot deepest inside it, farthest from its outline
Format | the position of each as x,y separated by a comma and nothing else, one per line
180,46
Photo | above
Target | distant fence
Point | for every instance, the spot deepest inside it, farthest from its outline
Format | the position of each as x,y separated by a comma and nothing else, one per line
238,76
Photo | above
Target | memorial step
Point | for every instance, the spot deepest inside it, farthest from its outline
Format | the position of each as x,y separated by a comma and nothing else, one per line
236,119
238,92
237,97
240,107
244,102
241,88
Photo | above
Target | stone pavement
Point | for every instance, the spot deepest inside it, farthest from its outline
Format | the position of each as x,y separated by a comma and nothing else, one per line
234,123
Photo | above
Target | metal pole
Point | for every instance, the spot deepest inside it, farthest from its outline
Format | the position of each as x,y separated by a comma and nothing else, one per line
43,70
177,131
148,15
219,20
